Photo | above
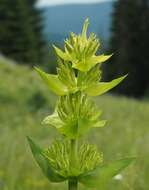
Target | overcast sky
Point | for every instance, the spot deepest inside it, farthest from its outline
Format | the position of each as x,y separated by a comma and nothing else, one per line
57,2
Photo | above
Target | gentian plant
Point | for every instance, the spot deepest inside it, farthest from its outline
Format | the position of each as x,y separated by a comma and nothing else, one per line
78,79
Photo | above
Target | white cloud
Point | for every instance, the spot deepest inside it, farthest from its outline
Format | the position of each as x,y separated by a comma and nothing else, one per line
56,2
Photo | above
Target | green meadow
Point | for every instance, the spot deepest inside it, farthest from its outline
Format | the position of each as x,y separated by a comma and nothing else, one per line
25,101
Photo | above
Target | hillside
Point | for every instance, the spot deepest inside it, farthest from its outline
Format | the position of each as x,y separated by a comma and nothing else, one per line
24,101
60,20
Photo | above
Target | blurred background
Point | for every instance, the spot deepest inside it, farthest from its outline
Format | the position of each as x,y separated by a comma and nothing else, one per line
28,28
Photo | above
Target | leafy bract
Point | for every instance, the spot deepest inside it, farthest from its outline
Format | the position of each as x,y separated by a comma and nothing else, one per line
43,163
103,87
66,82
54,84
99,177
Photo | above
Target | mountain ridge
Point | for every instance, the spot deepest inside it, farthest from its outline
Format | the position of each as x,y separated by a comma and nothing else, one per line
60,20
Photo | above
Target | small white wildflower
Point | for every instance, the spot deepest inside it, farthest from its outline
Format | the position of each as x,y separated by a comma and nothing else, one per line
118,177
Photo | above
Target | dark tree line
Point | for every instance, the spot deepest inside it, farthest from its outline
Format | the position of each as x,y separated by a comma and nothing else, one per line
21,31
130,44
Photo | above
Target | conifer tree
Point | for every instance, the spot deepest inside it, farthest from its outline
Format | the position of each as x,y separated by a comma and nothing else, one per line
20,37
130,29
37,24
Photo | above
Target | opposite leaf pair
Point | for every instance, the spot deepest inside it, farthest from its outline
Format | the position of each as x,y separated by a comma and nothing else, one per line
94,88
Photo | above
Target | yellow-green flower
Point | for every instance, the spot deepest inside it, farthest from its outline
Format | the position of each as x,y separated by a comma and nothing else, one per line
81,50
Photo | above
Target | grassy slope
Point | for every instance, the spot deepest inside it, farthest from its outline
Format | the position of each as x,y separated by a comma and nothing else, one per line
24,101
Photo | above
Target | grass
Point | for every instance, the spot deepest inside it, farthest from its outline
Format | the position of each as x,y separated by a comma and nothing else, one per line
25,101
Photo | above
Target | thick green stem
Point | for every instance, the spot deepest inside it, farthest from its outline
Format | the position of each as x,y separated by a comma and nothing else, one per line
72,183
73,153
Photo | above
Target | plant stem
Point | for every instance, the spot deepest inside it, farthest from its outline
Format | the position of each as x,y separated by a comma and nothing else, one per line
73,154
72,183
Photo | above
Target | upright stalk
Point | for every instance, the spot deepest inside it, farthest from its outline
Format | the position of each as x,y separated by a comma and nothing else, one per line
73,153
73,183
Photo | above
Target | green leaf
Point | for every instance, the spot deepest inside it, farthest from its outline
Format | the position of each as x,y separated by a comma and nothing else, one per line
103,87
54,84
43,163
86,64
99,177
